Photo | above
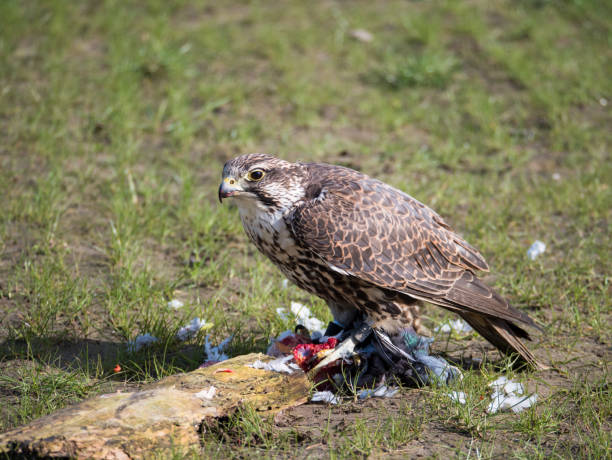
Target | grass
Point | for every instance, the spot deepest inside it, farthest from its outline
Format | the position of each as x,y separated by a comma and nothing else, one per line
116,118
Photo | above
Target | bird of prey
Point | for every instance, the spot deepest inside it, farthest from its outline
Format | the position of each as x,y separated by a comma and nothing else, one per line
369,250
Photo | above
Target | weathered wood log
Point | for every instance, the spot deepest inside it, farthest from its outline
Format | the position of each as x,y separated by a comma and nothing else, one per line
164,416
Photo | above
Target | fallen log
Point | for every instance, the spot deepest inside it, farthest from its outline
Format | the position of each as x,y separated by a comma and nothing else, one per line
162,417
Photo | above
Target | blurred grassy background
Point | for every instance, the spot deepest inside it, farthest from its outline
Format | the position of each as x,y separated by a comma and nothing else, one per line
117,116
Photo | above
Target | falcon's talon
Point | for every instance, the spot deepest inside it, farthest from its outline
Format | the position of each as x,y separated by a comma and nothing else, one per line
385,344
366,248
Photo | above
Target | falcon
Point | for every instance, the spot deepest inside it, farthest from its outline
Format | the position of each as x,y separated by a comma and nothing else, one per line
372,252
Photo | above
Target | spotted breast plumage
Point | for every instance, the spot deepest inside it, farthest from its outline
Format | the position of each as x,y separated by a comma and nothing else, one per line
369,250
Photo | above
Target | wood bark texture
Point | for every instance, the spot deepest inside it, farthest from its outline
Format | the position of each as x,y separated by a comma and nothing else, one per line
162,418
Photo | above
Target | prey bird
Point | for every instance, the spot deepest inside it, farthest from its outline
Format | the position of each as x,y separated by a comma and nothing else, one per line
372,252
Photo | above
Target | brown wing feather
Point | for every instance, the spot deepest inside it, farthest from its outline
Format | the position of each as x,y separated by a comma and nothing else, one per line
377,233
469,290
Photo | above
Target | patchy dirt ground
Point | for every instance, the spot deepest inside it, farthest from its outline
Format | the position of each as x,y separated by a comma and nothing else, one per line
116,120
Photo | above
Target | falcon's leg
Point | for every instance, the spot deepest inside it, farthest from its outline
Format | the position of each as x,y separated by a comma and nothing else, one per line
344,315
392,323
418,326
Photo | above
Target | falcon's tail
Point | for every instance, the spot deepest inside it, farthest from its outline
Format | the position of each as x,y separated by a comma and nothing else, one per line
504,335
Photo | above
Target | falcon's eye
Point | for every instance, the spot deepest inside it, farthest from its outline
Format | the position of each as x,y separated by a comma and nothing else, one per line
255,175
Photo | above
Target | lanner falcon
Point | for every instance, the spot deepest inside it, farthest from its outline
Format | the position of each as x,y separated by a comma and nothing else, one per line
372,252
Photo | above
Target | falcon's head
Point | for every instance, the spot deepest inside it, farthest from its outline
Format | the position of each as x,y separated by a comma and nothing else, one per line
263,182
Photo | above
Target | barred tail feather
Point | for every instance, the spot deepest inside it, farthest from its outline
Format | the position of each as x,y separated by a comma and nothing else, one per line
504,335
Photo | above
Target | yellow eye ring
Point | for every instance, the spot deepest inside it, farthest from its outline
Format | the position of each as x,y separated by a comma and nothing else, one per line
255,175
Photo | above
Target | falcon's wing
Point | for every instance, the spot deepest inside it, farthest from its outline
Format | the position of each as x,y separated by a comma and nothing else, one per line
367,229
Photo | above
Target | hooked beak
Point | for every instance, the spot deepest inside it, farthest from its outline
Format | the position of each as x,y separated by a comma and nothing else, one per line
229,187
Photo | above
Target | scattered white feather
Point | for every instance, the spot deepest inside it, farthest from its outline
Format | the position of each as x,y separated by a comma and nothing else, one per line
207,393
304,318
325,396
175,304
524,403
140,341
497,400
508,394
281,364
185,48
536,249
383,391
362,35
458,325
190,330
457,396
285,284
504,385
502,401
499,383
216,353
